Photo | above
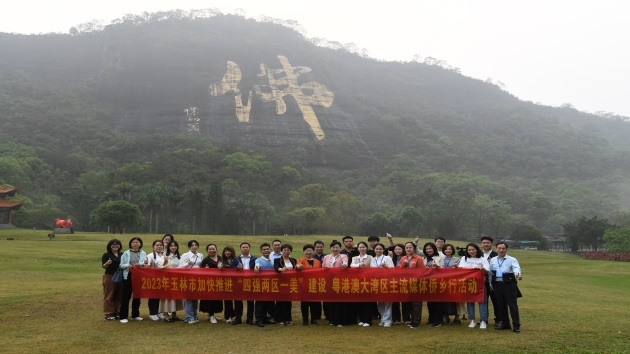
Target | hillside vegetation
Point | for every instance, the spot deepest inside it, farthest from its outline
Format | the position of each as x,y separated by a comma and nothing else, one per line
213,123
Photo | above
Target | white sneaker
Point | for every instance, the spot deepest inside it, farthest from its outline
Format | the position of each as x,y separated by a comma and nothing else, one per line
387,324
483,325
213,319
161,316
472,324
366,325
137,318
124,320
380,323
154,318
229,320
361,324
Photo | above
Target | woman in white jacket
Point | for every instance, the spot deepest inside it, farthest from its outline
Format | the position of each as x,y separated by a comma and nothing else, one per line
171,306
191,259
383,261
133,257
474,260
156,259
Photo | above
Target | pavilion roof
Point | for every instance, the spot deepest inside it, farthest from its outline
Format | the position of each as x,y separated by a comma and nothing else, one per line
9,204
10,191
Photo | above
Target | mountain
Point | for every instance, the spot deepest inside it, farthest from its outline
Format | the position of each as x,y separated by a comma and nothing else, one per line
149,86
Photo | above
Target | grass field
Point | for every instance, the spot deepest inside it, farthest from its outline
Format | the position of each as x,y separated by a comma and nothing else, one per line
51,301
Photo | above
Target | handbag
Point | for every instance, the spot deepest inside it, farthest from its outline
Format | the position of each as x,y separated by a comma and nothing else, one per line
118,276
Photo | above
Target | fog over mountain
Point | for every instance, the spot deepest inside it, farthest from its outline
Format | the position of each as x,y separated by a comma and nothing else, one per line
166,87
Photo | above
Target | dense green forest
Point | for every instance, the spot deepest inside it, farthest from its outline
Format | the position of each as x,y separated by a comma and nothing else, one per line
213,123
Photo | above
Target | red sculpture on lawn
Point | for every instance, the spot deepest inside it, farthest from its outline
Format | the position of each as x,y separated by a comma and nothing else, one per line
66,224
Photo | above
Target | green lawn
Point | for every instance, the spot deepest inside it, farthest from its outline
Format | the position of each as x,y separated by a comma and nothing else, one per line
51,301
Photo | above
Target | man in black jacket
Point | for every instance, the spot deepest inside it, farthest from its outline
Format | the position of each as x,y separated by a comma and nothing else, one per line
248,262
488,253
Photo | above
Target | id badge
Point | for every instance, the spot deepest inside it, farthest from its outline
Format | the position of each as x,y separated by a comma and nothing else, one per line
499,273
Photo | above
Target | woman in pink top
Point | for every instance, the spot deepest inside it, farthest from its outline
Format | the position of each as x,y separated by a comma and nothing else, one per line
341,313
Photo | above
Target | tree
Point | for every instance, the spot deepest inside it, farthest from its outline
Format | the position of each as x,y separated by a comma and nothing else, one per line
528,232
617,240
585,232
490,215
378,224
116,214
409,219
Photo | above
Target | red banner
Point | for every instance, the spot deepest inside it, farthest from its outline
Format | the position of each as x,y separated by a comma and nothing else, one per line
322,284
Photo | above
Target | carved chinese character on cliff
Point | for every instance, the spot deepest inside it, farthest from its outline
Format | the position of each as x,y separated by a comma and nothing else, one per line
193,120
280,83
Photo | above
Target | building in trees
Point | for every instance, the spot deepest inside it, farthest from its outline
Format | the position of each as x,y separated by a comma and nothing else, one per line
7,206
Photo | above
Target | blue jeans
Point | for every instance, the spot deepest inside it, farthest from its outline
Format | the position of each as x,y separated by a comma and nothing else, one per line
190,308
483,311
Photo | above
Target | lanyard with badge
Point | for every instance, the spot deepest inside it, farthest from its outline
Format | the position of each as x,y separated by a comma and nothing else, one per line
499,271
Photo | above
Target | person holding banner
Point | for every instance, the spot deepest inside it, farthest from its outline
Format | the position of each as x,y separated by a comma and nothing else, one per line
171,306
396,252
412,260
284,264
263,263
382,261
211,306
452,308
227,256
247,262
156,259
432,259
191,259
364,309
319,255
309,262
340,313
133,257
474,260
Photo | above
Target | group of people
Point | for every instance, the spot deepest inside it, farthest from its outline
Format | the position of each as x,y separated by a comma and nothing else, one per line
501,275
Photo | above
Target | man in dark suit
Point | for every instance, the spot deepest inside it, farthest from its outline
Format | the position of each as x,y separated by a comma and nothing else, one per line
247,262
488,253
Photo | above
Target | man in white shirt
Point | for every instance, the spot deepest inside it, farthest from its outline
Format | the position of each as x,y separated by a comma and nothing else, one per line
505,273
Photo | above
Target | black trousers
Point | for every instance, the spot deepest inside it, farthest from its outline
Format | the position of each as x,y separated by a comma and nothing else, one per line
283,311
493,298
154,305
238,310
315,309
506,299
412,310
436,312
364,310
262,308
326,310
228,307
126,296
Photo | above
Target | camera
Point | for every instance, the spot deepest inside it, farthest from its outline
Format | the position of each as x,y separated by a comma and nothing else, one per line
461,251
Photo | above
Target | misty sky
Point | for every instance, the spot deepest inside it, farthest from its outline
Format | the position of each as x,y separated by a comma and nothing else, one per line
552,52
